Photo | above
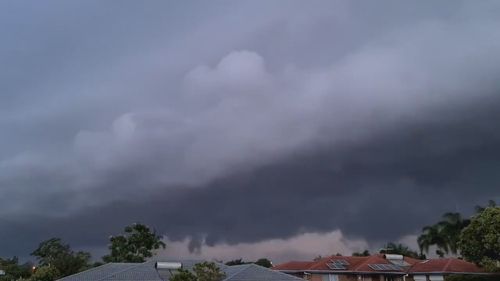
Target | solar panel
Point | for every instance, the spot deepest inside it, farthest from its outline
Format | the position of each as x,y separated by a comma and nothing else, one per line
383,266
337,264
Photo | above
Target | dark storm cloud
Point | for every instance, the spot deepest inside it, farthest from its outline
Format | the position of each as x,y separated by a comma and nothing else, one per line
379,190
244,122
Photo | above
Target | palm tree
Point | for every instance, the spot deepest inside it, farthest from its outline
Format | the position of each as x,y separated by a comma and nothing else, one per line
446,233
450,228
431,236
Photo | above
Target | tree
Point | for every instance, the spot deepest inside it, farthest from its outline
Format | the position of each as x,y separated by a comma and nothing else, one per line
264,262
13,270
317,258
208,271
480,241
135,245
53,252
183,275
431,236
479,209
235,262
399,249
365,253
45,273
450,228
205,271
445,234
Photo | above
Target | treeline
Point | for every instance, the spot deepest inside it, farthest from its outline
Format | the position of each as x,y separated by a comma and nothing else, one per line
394,248
262,262
475,239
445,234
56,259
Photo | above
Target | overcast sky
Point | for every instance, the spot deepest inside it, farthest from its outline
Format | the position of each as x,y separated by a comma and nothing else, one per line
284,129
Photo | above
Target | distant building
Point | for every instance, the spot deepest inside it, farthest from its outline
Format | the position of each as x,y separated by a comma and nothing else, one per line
378,268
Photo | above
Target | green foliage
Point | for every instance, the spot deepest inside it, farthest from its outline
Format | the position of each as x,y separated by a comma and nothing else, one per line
264,262
183,275
45,273
365,253
205,271
399,249
208,271
480,241
58,255
135,245
14,271
236,262
445,234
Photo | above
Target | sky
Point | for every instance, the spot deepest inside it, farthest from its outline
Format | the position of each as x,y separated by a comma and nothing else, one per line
245,129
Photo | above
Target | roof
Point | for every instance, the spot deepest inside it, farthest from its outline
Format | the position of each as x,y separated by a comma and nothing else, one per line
253,272
370,264
117,272
351,264
147,272
448,265
187,265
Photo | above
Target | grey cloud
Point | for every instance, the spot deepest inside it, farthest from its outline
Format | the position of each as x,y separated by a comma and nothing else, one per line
379,190
339,118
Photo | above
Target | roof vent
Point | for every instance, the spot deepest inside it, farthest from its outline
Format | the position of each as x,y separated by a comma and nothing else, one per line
168,265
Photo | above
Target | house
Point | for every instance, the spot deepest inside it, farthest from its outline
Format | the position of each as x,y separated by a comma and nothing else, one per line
162,271
378,268
437,269
348,268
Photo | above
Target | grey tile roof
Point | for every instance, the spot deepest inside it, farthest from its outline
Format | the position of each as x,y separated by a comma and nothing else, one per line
118,272
147,272
253,272
186,264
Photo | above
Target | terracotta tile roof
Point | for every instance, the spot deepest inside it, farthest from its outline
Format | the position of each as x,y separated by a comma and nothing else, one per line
362,264
411,261
355,264
449,265
294,265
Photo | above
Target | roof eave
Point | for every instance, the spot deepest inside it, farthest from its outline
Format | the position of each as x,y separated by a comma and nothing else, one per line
345,272
452,272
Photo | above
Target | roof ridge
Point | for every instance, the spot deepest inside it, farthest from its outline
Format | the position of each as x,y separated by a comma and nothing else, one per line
243,266
90,269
